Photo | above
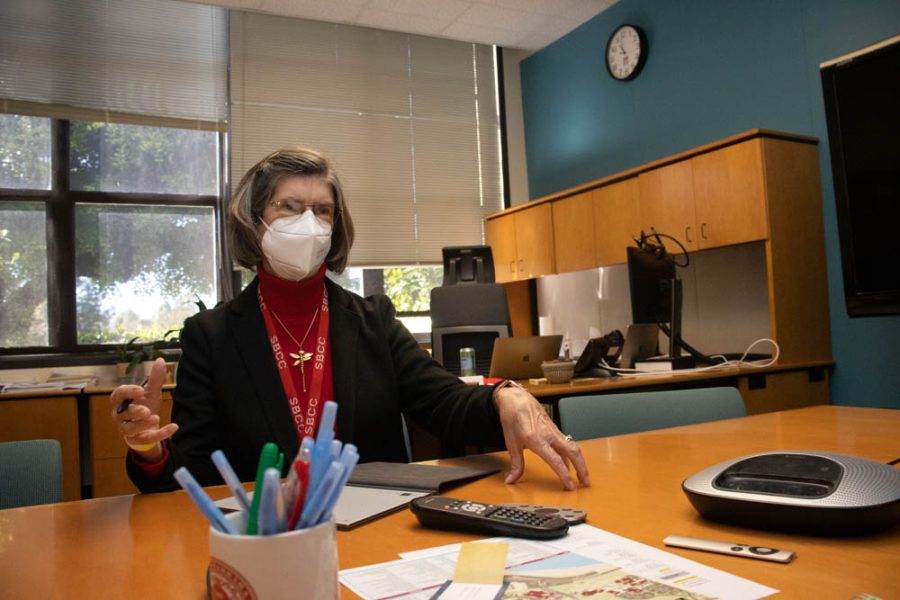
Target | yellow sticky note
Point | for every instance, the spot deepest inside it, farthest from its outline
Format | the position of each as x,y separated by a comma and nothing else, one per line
481,563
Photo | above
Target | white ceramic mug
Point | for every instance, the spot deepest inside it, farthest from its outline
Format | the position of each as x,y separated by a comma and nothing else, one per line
298,564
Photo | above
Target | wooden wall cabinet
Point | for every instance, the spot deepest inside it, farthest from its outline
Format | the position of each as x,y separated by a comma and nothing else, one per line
522,243
730,194
710,200
667,203
617,219
755,186
573,233
593,228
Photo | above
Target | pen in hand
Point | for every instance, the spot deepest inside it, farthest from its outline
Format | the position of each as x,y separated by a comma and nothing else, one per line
124,404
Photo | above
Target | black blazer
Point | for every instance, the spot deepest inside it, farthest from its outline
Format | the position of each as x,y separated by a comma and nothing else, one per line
229,394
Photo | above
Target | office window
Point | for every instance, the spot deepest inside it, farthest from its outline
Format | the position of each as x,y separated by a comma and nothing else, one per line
409,288
110,154
142,232
23,274
139,268
114,157
24,152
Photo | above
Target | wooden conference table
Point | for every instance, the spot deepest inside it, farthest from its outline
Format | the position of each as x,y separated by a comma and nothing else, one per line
155,546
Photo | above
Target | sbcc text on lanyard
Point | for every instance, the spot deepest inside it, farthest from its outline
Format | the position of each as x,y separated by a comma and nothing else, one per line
304,420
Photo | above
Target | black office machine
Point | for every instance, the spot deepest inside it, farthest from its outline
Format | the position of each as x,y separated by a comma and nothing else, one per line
809,492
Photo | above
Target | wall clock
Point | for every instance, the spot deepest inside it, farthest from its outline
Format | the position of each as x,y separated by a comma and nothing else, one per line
626,52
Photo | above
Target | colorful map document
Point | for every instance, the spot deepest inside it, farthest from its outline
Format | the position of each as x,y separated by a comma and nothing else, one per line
587,561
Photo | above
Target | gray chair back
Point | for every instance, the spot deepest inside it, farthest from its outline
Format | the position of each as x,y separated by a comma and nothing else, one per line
585,417
468,315
30,473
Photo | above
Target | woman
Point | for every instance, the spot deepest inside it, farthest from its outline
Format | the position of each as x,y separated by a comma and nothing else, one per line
259,367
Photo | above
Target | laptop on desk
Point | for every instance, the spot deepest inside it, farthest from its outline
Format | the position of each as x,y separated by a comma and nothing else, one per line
521,357
641,341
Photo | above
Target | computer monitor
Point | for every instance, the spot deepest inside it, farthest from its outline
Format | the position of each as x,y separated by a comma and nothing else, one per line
651,275
656,295
861,98
468,264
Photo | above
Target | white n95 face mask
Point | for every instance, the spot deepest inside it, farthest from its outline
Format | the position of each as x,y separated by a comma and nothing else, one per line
296,246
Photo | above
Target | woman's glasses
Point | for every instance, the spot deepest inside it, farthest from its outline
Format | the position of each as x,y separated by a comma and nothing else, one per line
326,212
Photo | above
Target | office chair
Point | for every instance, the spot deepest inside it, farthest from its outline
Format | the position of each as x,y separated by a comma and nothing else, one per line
469,310
468,316
467,264
585,417
30,473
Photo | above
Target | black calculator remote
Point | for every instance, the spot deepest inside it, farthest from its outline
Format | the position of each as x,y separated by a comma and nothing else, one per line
441,512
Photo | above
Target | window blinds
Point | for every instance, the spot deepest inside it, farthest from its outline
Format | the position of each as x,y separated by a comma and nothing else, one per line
410,122
145,62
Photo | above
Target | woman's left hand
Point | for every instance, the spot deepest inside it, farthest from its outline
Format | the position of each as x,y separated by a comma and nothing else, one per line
527,425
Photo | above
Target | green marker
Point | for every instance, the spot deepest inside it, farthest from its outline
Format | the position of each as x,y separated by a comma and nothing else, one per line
268,459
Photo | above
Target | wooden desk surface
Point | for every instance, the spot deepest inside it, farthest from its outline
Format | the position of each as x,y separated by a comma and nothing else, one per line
621,384
155,546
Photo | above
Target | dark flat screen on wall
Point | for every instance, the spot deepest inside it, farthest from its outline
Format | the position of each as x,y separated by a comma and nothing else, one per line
862,108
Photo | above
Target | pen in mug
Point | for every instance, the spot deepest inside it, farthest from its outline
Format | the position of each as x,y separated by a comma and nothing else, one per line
268,503
296,495
231,479
268,458
321,453
297,484
349,458
203,501
312,511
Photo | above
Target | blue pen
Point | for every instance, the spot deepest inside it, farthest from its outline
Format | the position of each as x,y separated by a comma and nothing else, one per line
349,458
268,503
321,454
231,479
204,502
312,510
336,446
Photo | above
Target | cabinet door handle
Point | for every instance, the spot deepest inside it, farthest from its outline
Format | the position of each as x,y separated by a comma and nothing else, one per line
512,266
687,234
521,266
703,227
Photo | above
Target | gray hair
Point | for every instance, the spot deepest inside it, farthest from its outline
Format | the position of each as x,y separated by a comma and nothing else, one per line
256,190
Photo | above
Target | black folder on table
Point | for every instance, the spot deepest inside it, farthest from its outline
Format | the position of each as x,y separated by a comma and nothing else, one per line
379,488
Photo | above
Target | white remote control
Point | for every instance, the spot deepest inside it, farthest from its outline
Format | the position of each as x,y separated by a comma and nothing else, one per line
760,552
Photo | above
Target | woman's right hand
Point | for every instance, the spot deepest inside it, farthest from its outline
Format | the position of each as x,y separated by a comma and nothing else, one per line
139,422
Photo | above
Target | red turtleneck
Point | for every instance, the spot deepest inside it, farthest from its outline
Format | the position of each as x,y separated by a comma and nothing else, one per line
295,304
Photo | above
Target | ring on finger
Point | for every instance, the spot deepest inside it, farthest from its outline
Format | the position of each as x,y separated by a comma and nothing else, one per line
568,438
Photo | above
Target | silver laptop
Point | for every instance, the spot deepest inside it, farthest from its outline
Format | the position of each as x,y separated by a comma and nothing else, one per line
521,357
641,341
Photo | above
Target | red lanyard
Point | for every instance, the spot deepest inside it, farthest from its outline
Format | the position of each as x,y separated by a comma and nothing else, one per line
304,420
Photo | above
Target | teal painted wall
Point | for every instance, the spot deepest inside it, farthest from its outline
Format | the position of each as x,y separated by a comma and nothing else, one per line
714,68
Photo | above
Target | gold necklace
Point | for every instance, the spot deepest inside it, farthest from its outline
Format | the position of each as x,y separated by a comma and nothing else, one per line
301,357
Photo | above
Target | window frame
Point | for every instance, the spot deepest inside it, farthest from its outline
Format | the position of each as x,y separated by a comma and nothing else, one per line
60,203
